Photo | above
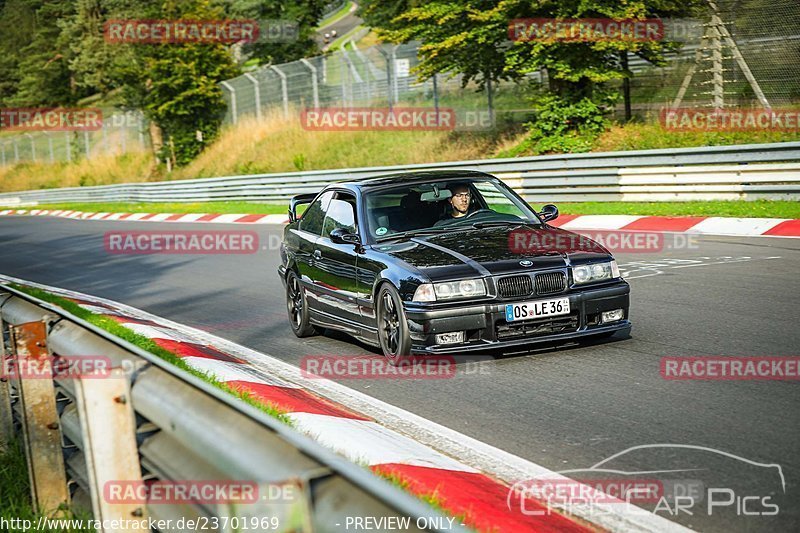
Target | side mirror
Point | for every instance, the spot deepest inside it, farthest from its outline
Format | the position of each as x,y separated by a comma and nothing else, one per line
549,212
342,236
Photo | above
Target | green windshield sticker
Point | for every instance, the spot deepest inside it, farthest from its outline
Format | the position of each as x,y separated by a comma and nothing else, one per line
381,231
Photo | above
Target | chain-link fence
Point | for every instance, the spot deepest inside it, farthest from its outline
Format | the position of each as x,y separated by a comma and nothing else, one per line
120,133
741,49
744,53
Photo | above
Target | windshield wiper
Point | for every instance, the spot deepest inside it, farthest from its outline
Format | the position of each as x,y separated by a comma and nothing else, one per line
500,223
413,233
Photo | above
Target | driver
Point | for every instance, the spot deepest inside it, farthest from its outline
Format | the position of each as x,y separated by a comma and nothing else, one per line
459,201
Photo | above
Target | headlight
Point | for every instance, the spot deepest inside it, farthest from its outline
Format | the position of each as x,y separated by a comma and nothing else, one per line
596,272
450,290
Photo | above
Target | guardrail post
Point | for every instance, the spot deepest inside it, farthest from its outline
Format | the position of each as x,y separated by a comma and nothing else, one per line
6,416
68,145
40,424
257,91
389,74
104,408
314,81
50,146
140,131
284,91
233,99
395,86
33,146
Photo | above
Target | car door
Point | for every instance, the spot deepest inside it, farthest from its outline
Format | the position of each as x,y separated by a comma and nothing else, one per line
335,264
308,233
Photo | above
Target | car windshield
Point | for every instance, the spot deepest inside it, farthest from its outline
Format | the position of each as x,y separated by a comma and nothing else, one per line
442,207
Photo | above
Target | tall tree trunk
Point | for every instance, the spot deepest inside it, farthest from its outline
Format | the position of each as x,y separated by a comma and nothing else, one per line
156,140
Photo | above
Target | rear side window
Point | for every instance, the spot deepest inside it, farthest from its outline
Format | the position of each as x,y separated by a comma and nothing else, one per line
315,214
341,213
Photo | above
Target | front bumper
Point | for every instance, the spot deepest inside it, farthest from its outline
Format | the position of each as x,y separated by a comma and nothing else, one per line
486,326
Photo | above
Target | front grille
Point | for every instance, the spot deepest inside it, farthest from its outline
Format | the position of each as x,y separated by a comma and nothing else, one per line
550,282
513,286
535,328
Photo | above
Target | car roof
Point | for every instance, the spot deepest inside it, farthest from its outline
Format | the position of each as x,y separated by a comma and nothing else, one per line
414,177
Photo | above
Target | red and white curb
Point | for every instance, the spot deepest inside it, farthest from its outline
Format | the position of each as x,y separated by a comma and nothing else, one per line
154,217
737,227
471,478
728,226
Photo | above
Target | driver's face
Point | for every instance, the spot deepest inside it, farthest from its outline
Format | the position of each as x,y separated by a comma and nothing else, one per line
459,199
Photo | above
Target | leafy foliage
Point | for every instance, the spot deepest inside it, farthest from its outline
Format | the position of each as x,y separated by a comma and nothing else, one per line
471,38
305,13
53,53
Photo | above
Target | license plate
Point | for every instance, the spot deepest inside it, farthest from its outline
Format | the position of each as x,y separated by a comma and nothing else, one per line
538,309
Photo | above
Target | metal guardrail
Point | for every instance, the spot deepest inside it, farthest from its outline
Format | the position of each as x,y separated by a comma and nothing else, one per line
150,420
755,171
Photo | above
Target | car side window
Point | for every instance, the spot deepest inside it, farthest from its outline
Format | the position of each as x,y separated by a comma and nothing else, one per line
315,214
341,213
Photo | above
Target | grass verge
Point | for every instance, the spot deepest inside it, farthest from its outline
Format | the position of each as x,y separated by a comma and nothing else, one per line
277,144
126,334
244,208
733,208
335,45
335,17
431,498
16,510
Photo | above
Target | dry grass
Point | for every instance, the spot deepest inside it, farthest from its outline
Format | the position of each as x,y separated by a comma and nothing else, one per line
273,144
100,170
276,144
652,136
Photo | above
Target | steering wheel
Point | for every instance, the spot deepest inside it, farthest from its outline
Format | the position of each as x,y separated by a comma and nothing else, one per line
478,211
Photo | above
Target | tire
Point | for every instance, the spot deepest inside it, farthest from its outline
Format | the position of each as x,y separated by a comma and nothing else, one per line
297,307
393,332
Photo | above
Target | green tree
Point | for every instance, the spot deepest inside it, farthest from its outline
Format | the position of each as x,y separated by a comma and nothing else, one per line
42,65
92,61
381,13
466,37
304,13
471,38
16,30
177,85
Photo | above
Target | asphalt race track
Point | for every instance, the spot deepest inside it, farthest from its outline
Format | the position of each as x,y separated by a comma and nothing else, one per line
563,407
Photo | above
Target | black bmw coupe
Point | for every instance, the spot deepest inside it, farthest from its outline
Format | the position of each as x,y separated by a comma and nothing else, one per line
443,263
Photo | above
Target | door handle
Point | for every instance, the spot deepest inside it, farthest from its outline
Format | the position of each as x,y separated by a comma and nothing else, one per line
317,254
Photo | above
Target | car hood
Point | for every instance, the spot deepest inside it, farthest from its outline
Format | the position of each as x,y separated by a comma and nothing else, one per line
494,251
